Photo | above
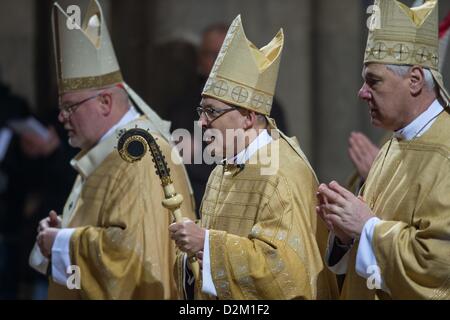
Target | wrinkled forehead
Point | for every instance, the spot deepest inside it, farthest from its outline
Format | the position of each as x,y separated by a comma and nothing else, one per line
373,69
371,66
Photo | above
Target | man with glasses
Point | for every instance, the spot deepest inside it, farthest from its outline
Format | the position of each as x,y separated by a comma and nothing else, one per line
112,240
257,238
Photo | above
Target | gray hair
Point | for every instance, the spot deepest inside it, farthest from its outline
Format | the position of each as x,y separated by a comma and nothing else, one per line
402,71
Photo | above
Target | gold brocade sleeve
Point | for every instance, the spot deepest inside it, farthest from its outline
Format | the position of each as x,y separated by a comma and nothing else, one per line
128,254
415,258
278,260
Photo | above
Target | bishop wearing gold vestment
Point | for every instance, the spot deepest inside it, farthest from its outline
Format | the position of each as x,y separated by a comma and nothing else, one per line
393,242
112,241
258,237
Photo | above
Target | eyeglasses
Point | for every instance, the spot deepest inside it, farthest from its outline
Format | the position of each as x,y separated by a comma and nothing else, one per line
68,110
213,114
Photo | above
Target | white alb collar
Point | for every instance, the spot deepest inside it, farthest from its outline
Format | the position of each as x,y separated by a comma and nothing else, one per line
131,115
262,140
421,124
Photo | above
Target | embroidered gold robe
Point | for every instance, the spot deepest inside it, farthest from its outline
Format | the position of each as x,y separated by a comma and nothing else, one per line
411,194
121,243
263,231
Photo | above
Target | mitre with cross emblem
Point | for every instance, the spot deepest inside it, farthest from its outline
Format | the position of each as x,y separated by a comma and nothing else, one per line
406,36
244,75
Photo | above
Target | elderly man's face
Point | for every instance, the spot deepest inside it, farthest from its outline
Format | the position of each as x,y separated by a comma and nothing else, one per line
223,120
386,95
83,120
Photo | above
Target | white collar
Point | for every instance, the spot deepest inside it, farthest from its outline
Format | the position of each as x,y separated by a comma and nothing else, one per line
262,140
86,162
131,115
421,124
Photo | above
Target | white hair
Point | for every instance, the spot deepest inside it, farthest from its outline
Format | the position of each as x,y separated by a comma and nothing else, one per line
122,99
402,71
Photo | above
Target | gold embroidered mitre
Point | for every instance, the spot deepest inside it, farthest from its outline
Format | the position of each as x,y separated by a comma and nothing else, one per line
244,75
400,35
85,57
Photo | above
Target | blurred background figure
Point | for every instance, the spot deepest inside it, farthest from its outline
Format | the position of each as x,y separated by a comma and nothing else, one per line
11,195
35,177
191,65
362,153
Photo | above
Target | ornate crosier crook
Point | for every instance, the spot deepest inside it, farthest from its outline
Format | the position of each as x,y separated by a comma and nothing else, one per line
132,146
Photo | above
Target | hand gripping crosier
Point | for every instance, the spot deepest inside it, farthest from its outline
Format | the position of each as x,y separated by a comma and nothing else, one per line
133,144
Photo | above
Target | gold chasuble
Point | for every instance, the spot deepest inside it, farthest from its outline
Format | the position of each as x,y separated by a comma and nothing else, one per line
264,238
263,230
411,194
121,243
408,187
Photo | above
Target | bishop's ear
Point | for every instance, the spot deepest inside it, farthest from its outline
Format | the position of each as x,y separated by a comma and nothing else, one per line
417,80
106,102
250,120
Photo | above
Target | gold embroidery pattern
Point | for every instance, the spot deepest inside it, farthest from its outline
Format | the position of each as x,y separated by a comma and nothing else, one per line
239,261
443,292
218,239
278,270
403,53
73,84
239,94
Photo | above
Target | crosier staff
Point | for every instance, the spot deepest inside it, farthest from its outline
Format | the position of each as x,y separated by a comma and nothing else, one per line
132,146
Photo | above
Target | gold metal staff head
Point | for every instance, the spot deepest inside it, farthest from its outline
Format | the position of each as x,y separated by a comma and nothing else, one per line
133,144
